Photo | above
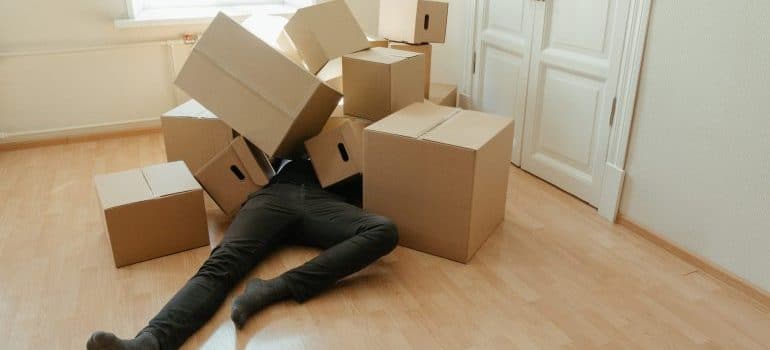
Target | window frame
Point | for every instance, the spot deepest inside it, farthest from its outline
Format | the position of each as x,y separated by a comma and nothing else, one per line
140,15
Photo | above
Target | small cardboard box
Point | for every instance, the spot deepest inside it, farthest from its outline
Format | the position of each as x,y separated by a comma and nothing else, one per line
425,49
440,174
152,212
235,173
443,94
380,81
255,89
413,21
193,134
336,153
325,31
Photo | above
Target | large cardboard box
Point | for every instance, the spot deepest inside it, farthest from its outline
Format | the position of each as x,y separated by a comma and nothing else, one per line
443,94
380,81
235,173
152,212
425,49
193,134
325,31
336,153
440,174
255,89
413,21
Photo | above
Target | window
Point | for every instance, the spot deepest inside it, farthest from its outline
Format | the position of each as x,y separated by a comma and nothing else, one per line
164,4
169,12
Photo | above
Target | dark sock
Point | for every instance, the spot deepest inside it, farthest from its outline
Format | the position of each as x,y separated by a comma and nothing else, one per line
108,341
258,295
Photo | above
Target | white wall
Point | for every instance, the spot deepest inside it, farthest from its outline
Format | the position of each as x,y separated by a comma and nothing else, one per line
122,80
699,162
128,77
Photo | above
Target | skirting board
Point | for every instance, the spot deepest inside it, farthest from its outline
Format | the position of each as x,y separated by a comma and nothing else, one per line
705,265
78,134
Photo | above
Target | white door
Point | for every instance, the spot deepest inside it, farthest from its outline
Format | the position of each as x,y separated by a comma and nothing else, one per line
573,75
503,45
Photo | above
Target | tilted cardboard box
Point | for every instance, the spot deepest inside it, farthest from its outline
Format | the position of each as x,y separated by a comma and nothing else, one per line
440,174
235,173
152,212
413,21
336,153
270,28
325,31
443,94
380,81
256,90
425,49
193,134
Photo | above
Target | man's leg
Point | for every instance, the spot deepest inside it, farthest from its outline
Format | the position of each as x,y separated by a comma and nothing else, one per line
259,226
352,240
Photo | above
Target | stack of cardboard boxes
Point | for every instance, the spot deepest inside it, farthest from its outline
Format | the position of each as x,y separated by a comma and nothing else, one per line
272,87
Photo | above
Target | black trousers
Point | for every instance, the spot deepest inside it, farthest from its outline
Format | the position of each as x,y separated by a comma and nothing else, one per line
280,213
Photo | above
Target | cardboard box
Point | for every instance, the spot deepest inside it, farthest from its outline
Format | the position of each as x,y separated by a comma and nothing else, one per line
380,81
440,174
414,21
443,94
331,74
425,49
152,212
235,173
377,42
325,31
193,134
255,89
336,153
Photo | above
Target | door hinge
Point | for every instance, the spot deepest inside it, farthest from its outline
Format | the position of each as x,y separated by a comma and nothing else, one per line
612,112
473,63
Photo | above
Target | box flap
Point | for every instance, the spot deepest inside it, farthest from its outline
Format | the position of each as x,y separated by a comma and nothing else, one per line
382,55
122,188
468,129
415,120
190,108
325,31
256,65
169,178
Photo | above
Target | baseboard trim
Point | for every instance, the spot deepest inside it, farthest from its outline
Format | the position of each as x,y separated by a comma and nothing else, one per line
705,265
78,134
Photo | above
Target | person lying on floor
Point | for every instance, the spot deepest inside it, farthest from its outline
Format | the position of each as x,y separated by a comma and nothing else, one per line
291,209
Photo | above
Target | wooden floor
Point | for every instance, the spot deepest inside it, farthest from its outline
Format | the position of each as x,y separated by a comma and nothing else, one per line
554,276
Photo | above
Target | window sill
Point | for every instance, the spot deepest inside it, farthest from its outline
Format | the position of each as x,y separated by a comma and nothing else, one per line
198,15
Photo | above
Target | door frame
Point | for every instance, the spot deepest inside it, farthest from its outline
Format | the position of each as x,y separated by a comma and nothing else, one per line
626,92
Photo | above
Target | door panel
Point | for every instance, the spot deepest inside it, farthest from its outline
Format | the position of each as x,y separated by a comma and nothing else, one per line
504,29
575,59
